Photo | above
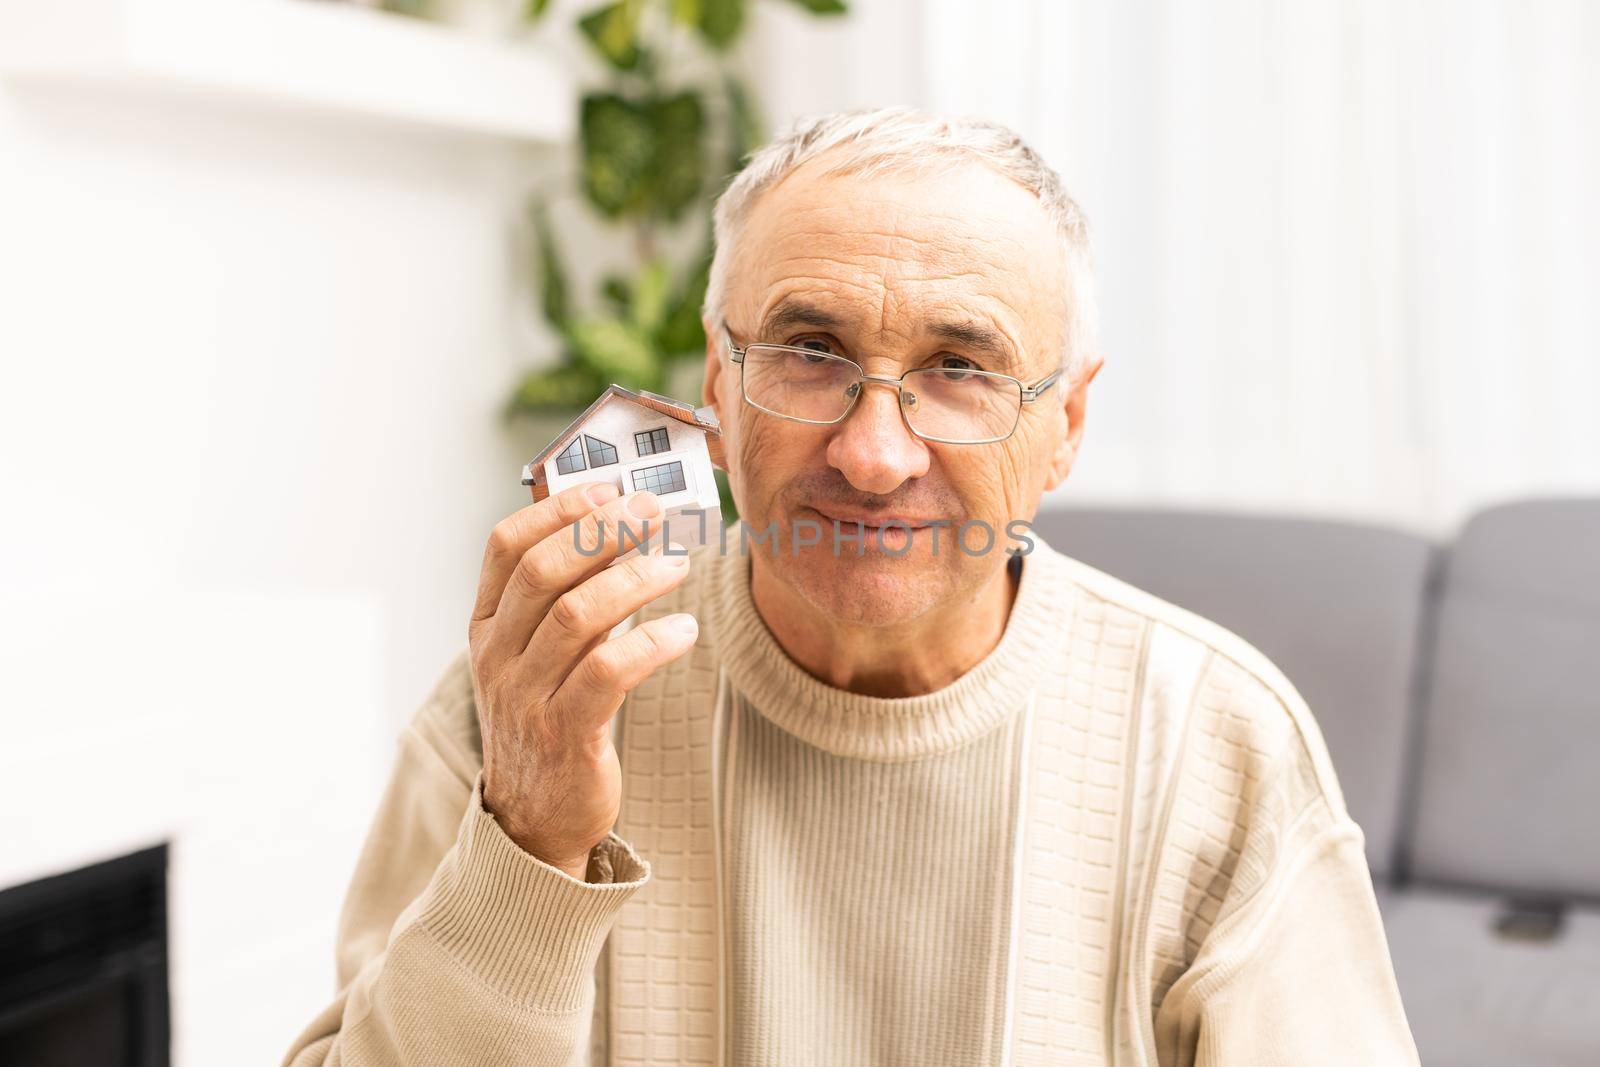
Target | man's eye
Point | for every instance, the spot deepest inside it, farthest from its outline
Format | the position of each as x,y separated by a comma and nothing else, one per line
815,345
957,364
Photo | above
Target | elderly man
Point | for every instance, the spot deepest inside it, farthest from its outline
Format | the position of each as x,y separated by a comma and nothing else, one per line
869,798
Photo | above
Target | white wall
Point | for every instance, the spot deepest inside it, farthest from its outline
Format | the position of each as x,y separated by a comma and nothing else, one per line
249,451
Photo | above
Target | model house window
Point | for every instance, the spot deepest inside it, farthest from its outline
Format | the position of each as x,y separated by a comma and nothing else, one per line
571,459
649,442
600,452
667,478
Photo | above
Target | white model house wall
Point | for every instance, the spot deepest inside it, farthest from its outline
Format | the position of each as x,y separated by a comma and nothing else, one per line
615,422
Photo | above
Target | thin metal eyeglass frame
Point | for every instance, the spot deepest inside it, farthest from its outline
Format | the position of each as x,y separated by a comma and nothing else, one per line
1028,393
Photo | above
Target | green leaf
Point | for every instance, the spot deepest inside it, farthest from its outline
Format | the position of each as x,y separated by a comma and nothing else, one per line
614,32
681,331
555,389
679,170
616,351
619,294
745,132
686,12
823,7
721,21
650,297
535,9
619,145
552,275
643,158
730,510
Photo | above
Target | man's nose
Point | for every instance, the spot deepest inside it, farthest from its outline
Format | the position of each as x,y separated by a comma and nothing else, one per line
872,447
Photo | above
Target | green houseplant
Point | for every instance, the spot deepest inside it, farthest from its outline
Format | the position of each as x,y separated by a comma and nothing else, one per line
647,142
655,143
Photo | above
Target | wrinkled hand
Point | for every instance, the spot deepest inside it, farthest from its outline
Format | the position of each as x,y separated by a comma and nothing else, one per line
547,677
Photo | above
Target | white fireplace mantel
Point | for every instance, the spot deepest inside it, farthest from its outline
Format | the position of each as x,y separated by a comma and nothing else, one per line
320,55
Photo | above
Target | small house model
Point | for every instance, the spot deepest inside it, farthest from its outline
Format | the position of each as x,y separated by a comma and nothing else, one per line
638,441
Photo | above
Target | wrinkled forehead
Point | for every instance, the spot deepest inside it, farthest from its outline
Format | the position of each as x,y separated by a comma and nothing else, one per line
893,252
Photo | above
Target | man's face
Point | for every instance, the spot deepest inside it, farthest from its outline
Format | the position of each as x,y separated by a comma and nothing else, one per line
889,259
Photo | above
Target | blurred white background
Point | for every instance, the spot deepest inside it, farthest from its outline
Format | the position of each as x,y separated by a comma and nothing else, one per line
254,357
1348,251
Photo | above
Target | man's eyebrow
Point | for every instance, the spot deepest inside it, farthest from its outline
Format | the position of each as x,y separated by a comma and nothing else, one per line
974,336
977,337
789,313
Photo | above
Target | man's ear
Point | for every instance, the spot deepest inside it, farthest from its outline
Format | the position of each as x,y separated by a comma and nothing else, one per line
708,388
1076,402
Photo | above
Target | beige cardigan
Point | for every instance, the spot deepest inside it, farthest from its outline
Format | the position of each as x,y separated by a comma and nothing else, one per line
1185,884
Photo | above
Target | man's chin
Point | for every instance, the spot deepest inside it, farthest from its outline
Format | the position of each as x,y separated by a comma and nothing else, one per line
870,587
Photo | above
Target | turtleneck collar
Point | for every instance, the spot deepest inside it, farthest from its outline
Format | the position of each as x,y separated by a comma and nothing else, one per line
886,729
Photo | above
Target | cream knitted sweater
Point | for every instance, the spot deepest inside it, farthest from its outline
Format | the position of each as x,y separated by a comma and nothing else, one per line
1117,839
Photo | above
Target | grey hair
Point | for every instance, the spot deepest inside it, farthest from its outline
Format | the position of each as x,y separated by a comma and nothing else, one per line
905,138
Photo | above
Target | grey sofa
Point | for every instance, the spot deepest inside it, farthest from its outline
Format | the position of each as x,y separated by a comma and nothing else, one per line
1458,687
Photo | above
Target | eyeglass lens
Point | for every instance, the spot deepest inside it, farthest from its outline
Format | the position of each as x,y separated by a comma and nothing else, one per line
949,403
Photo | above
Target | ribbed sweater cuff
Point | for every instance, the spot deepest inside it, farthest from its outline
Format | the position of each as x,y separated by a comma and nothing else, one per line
528,929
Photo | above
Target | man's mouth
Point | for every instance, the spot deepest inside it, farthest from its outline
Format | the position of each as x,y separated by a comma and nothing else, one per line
883,528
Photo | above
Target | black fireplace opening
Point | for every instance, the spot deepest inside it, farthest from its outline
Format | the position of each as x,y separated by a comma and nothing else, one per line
83,967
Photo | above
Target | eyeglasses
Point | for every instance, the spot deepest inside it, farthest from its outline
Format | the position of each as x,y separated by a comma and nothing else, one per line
950,405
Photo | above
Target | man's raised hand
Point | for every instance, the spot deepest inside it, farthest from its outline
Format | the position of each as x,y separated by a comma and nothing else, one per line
547,677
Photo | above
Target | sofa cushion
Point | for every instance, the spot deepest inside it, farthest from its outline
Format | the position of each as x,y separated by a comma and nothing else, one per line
1336,606
1507,787
1475,998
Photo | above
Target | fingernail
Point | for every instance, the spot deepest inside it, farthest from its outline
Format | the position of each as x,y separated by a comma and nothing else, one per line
685,624
674,556
602,493
644,504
